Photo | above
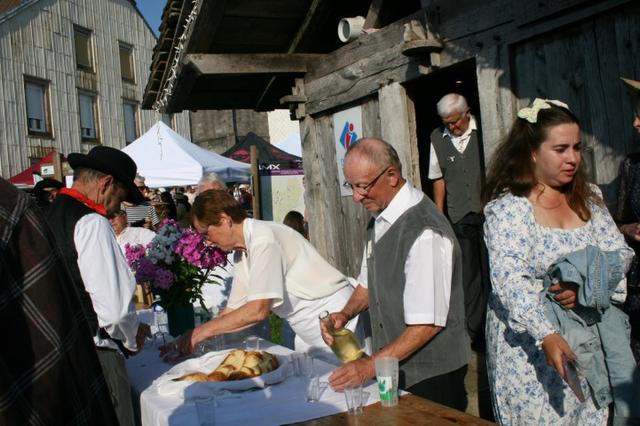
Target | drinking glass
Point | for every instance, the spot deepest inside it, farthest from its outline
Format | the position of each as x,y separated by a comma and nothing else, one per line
355,400
252,343
387,377
160,324
303,365
214,343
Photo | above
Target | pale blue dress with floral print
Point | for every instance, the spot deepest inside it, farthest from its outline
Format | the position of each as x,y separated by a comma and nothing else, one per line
525,390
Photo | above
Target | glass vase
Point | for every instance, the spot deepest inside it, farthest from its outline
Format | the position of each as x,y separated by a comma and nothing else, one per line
180,318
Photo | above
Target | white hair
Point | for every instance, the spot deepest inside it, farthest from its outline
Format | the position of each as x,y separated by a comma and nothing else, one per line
211,180
450,104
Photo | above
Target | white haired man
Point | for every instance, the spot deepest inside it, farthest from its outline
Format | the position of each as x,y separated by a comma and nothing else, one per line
456,169
210,180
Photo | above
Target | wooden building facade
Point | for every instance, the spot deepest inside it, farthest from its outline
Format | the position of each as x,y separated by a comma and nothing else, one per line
500,54
72,75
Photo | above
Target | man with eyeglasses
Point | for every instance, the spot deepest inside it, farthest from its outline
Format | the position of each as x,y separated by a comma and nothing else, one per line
410,281
456,169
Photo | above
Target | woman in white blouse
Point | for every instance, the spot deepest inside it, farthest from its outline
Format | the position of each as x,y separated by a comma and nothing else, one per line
276,270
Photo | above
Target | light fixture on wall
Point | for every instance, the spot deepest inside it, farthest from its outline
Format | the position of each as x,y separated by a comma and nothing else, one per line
420,42
350,28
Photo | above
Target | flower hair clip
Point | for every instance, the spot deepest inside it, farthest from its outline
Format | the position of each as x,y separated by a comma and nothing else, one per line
531,113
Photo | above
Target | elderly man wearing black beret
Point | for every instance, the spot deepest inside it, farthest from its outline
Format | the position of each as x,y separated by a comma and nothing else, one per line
102,180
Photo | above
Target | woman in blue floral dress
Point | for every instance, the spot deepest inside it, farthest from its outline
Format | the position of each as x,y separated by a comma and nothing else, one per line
540,207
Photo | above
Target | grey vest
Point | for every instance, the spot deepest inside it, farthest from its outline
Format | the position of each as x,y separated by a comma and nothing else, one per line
449,349
463,174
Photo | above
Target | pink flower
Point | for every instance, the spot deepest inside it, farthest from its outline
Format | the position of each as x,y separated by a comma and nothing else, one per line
175,263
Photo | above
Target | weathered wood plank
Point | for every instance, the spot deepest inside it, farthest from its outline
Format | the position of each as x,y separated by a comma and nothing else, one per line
315,13
211,13
453,20
289,9
395,120
364,47
496,100
251,63
322,191
555,66
372,19
589,9
530,12
357,86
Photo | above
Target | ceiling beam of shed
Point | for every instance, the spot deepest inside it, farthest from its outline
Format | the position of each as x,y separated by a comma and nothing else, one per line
251,63
317,9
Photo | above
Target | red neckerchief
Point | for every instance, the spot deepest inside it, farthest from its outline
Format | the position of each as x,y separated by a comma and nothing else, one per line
74,193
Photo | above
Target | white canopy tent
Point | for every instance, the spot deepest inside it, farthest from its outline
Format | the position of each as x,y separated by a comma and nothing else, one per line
165,158
291,144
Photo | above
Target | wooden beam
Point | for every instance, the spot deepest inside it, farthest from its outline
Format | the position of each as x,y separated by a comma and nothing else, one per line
397,123
373,15
251,64
206,25
316,10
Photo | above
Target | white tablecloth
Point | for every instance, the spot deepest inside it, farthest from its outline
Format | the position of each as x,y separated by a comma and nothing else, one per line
277,404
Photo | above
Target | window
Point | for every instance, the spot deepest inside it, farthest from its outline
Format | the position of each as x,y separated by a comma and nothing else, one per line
37,96
130,121
84,53
167,119
88,117
126,62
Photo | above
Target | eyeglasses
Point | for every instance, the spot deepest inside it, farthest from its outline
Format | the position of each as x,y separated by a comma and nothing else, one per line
456,121
364,189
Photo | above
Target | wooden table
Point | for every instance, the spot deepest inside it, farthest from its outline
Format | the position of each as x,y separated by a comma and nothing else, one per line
411,410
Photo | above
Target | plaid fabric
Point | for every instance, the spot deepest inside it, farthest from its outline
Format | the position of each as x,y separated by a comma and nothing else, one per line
49,369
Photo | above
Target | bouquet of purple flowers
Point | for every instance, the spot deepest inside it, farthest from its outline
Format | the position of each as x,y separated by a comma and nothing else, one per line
175,264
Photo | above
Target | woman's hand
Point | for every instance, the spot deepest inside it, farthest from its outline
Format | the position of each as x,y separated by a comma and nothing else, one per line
556,350
187,342
184,345
631,231
565,294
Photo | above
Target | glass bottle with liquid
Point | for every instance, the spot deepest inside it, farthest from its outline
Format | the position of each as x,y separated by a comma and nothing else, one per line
345,344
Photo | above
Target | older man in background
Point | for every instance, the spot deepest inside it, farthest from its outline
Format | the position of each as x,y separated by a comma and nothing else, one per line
456,168
102,180
126,234
211,180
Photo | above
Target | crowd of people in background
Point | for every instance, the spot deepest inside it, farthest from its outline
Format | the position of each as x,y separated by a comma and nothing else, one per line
521,262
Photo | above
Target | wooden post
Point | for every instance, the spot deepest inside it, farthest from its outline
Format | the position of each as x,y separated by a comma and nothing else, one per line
397,122
57,167
255,175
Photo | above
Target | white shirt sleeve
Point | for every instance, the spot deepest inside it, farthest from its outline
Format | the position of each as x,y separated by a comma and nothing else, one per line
435,172
362,277
428,271
106,277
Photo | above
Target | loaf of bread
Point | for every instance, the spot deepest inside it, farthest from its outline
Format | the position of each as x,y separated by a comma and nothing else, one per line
237,365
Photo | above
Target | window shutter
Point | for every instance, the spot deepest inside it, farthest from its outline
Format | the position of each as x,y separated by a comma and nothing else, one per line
35,108
87,123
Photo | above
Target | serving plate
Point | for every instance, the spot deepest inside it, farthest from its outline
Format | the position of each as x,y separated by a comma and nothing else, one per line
166,386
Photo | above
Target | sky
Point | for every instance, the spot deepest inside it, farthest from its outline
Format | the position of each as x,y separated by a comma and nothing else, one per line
152,12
